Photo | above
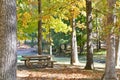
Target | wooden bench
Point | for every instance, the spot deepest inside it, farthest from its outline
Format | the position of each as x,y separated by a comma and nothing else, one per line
42,64
42,61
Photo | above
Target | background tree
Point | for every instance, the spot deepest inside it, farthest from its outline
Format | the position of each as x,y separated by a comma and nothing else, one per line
89,35
110,73
117,48
74,52
40,27
8,57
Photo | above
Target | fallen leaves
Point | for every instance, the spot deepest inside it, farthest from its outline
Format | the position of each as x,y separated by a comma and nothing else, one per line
67,73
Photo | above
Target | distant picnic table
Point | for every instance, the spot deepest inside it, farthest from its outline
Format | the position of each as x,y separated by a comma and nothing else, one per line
38,60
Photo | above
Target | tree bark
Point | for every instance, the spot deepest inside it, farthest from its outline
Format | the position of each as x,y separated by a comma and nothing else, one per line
8,57
74,52
89,35
117,50
39,29
110,73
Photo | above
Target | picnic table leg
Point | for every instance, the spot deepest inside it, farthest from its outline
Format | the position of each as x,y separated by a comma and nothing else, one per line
25,63
28,63
51,64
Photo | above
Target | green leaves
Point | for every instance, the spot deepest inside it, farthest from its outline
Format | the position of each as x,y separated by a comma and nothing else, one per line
27,19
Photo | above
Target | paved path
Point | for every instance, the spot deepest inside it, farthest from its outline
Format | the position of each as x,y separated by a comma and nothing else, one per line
29,51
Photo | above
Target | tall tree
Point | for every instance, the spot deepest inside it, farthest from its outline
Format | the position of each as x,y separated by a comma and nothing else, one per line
117,48
89,35
39,28
74,52
8,56
98,44
110,73
74,12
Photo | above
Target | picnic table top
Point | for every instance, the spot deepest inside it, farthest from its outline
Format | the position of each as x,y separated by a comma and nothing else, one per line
36,56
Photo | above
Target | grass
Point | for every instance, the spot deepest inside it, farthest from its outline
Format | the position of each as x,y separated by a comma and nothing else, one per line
100,52
19,57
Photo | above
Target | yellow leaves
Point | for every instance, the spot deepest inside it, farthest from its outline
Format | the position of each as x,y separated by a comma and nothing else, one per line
26,18
58,25
70,29
46,17
74,11
62,16
49,40
118,4
32,2
81,25
29,1
19,16
76,7
54,23
83,13
27,15
81,3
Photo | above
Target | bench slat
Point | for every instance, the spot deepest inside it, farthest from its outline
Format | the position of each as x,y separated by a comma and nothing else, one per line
42,63
34,59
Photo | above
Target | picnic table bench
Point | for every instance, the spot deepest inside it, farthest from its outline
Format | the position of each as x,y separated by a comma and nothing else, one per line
41,60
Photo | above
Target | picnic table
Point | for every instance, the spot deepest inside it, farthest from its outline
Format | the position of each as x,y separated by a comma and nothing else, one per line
39,60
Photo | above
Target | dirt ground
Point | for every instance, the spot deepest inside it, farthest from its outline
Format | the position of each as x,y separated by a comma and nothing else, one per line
59,72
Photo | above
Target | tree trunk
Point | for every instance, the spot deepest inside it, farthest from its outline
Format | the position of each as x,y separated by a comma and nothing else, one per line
39,29
110,73
8,57
65,47
117,50
81,45
74,52
99,43
81,49
32,42
89,35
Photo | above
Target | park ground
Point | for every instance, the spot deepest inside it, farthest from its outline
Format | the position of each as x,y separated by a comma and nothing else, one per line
62,70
